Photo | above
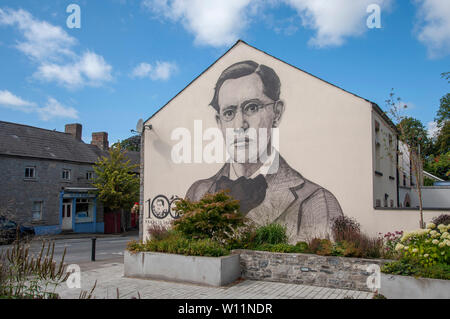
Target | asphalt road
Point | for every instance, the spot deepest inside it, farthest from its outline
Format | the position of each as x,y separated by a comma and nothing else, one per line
78,251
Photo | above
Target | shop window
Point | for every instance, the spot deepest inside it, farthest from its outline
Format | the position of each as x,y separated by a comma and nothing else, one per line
84,212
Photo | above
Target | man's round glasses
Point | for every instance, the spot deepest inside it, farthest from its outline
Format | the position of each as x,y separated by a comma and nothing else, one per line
248,108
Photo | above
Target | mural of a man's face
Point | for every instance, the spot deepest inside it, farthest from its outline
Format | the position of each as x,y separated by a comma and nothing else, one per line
159,208
243,106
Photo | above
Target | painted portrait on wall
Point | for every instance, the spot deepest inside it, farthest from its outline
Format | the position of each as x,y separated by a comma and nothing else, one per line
247,97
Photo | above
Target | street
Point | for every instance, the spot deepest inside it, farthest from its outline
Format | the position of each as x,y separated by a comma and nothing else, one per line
78,251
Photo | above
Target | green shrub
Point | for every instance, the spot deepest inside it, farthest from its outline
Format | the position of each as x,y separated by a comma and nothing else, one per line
214,216
270,234
176,243
323,247
281,248
412,267
428,246
302,246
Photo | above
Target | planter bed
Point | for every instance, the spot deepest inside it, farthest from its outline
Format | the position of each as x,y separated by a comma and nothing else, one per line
406,287
212,271
307,269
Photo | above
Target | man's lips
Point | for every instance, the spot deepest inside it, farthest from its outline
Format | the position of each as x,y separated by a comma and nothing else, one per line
242,141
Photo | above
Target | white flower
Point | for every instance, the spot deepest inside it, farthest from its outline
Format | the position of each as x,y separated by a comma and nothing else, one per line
399,247
426,255
441,226
431,225
415,250
435,241
444,235
441,245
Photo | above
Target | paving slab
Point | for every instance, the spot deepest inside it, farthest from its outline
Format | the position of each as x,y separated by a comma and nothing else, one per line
109,278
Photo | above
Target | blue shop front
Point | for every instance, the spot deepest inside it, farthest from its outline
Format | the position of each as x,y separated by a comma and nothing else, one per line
78,211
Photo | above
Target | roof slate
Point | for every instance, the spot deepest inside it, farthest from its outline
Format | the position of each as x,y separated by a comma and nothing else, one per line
22,140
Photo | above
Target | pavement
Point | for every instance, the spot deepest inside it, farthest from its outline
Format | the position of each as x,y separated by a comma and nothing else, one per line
112,285
63,236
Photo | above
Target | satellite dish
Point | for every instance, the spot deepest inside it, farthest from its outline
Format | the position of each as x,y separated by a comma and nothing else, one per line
140,126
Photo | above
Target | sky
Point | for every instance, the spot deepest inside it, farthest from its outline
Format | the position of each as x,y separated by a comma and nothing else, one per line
130,57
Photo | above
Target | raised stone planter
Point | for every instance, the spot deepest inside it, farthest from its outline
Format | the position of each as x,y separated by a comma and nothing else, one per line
405,287
308,269
212,271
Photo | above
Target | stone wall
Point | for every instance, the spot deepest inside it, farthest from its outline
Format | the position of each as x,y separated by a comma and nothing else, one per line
18,193
324,271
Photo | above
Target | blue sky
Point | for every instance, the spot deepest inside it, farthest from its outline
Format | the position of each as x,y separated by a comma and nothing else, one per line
130,57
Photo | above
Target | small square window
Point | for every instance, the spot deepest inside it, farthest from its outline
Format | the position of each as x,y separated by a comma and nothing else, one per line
89,175
37,210
30,172
66,174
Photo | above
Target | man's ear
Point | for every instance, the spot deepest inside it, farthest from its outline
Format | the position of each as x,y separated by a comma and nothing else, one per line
278,109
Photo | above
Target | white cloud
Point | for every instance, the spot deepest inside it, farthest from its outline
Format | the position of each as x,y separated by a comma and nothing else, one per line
52,49
141,71
52,109
161,71
213,22
336,20
432,129
91,69
218,23
11,101
43,41
434,26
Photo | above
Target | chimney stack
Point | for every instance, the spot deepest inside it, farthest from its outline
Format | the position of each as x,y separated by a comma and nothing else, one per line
75,130
100,139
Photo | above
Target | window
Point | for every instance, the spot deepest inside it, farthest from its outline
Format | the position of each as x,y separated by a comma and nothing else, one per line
30,172
89,175
66,174
37,210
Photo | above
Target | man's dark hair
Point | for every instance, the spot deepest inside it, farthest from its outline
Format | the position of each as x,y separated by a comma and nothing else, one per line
270,80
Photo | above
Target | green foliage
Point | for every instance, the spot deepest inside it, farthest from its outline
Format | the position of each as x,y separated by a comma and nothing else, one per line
414,133
282,248
323,247
271,234
132,143
411,267
439,166
118,187
176,243
443,114
214,216
428,246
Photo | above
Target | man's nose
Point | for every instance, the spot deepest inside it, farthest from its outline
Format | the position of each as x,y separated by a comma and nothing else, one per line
240,122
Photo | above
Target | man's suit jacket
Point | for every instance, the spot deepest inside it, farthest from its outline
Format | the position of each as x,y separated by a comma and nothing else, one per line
305,208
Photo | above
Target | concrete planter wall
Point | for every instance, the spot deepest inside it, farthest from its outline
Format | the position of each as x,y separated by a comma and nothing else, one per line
307,269
405,287
213,271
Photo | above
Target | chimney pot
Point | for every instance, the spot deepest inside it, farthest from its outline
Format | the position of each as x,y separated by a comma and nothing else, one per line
100,139
75,130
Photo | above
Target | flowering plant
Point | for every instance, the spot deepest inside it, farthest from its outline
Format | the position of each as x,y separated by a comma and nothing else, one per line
390,241
429,246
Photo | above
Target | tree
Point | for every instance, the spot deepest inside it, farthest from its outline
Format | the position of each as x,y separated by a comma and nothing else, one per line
439,166
118,186
443,114
415,134
132,143
407,128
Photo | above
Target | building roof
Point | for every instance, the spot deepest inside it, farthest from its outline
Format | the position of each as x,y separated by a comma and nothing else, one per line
28,141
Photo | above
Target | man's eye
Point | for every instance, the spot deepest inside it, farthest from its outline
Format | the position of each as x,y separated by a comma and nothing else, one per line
228,113
251,108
